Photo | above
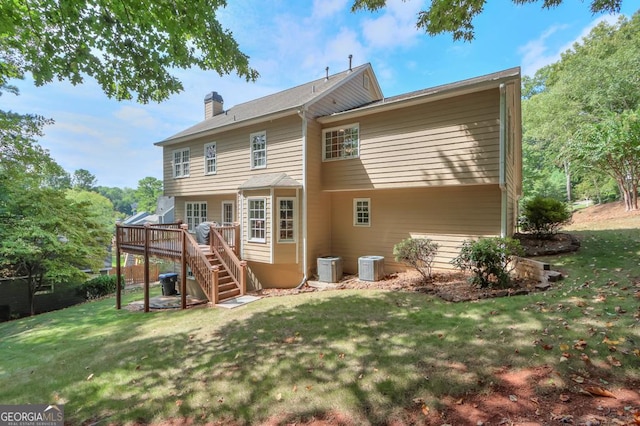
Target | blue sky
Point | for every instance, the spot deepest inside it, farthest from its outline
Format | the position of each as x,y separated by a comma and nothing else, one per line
289,43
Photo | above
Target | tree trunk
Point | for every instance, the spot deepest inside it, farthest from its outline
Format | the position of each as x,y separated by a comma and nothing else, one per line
567,173
32,291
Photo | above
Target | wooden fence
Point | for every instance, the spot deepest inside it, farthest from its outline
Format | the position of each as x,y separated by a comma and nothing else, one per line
134,274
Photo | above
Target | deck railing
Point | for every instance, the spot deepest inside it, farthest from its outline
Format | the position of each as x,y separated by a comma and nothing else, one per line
170,241
237,268
201,269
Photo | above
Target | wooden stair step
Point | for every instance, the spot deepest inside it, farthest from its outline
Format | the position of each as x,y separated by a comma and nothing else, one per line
228,294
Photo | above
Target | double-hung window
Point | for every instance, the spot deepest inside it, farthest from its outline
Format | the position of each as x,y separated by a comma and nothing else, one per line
257,220
341,142
361,212
196,213
181,163
258,150
210,159
286,220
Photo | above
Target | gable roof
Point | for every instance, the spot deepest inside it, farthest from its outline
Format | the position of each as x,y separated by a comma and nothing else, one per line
270,180
279,104
431,94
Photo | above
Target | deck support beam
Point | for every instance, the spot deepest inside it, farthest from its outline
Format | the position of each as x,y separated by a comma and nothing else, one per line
146,267
118,270
183,267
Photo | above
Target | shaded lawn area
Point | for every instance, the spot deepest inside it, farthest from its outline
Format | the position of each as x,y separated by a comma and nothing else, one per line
374,357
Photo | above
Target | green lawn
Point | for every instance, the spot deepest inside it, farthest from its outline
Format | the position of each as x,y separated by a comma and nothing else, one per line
369,355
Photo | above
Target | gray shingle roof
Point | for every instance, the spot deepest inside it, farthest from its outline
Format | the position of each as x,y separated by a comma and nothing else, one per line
286,100
270,180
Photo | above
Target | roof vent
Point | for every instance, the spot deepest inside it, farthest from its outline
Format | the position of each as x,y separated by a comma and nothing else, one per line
350,58
326,70
213,105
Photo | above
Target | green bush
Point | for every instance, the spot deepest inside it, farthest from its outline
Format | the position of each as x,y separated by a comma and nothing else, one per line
489,259
99,286
417,253
544,216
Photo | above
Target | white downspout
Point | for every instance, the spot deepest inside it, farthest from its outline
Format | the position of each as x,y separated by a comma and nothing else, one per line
303,115
503,152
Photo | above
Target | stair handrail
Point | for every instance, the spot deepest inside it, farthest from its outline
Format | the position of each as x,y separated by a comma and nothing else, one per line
236,268
205,274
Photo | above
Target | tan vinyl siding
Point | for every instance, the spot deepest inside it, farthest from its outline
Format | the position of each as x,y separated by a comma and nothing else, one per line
284,154
513,163
318,203
449,142
262,275
350,95
257,251
446,215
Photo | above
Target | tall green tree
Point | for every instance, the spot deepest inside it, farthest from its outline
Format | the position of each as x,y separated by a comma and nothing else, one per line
613,144
596,80
122,198
131,48
456,16
147,194
48,238
83,179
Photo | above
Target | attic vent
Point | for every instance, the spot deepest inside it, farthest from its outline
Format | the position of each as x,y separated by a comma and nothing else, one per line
365,82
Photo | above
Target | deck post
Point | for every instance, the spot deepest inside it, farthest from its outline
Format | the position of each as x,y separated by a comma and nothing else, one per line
236,238
183,265
147,227
118,269
243,277
214,285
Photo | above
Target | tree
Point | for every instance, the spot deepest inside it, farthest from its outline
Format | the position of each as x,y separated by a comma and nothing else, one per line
613,145
48,238
147,194
129,47
122,198
595,80
100,207
456,16
83,180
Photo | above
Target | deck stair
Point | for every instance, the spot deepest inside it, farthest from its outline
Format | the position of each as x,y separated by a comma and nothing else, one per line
215,266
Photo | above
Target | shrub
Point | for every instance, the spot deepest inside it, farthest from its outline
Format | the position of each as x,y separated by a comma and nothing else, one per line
417,253
99,286
544,216
489,259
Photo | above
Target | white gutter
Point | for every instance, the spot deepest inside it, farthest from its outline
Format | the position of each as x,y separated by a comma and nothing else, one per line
303,205
503,153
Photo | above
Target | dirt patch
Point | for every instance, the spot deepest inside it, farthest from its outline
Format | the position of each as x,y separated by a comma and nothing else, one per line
448,285
555,244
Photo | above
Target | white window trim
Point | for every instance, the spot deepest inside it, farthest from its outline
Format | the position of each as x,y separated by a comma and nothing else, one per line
355,212
233,212
215,158
173,163
251,136
295,222
201,219
324,144
249,238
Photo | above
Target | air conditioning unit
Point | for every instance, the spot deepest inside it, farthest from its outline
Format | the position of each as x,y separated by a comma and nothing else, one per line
371,268
330,269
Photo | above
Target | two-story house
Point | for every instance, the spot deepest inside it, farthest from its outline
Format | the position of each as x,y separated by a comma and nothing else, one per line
333,168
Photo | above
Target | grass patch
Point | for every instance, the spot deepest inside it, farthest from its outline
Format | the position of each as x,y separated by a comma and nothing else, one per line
368,354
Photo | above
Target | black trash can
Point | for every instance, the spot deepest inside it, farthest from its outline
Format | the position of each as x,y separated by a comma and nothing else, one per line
168,282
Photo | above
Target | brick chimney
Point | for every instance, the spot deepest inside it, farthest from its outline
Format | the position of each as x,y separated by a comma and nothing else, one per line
213,105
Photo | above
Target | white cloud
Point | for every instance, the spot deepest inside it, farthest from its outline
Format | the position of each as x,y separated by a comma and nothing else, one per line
538,53
136,116
327,8
396,27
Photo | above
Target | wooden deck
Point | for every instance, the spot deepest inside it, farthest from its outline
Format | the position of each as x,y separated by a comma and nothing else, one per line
215,267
